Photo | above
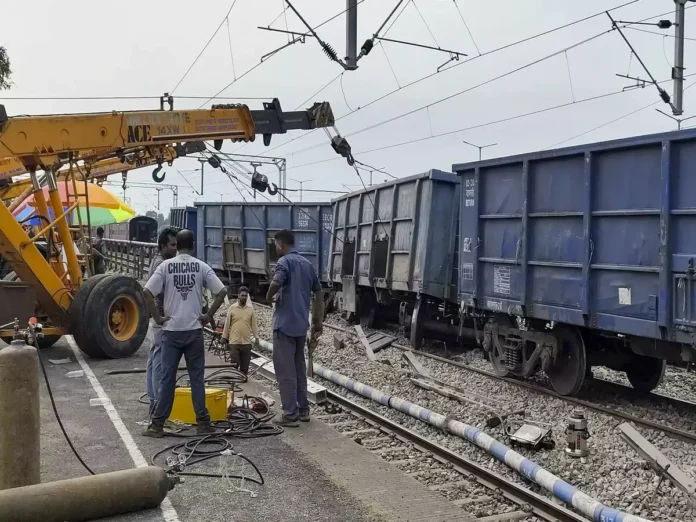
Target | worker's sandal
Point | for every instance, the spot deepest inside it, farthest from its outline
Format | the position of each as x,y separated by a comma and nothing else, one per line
154,431
286,423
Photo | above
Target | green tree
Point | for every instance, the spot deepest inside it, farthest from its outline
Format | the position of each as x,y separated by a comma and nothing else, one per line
5,70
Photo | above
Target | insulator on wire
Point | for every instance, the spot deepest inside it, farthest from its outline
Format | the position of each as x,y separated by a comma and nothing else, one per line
367,47
330,52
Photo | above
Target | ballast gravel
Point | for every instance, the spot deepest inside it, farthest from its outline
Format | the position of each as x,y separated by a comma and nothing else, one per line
613,473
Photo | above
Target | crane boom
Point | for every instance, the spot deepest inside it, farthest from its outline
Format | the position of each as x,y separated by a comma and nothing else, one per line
49,142
46,142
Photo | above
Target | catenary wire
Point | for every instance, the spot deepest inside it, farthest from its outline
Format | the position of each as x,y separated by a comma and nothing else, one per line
481,125
205,46
487,53
615,119
459,11
463,91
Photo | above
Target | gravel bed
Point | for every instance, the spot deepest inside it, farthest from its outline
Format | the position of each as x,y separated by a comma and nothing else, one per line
613,473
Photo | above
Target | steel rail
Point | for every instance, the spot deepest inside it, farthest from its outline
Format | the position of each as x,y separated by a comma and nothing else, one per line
677,403
536,504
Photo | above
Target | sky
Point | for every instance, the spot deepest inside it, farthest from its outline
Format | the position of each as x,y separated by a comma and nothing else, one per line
143,49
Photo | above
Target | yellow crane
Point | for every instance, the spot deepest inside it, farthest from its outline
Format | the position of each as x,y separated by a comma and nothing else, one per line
19,190
106,313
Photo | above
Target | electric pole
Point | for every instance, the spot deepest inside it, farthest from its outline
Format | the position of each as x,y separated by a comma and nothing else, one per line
678,120
351,34
203,162
158,189
678,69
480,147
301,182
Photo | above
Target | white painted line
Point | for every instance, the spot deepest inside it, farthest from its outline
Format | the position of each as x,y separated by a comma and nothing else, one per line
168,511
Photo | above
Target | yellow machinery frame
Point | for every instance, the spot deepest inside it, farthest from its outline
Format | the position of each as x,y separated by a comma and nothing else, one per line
103,142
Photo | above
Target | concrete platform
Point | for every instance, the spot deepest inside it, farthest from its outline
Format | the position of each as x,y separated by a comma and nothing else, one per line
312,473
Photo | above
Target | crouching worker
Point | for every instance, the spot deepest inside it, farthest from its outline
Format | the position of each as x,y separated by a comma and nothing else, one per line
240,325
181,280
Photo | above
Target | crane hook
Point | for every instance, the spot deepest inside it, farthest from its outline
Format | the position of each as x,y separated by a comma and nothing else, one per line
156,177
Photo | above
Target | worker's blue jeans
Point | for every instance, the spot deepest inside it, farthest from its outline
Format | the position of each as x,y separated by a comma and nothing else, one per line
291,373
153,374
175,344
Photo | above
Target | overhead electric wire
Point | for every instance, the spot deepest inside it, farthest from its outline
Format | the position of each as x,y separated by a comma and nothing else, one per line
204,47
456,5
613,120
463,91
481,125
428,76
659,34
88,98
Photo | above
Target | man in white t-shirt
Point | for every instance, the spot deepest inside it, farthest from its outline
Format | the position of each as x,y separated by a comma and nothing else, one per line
181,280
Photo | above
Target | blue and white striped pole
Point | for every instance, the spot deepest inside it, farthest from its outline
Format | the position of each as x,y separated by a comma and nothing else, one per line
558,487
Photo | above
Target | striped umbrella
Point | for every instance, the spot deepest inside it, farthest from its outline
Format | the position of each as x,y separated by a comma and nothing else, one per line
104,207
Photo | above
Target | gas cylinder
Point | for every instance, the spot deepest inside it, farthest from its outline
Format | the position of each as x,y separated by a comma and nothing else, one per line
577,434
87,498
20,424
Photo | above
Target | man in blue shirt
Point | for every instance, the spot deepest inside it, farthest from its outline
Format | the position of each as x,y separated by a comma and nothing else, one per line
294,280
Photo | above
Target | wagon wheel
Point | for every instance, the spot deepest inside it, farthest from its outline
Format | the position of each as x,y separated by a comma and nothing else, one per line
645,373
497,357
567,374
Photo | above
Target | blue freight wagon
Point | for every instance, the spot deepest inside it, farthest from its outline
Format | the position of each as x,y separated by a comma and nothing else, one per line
183,217
237,239
400,261
584,256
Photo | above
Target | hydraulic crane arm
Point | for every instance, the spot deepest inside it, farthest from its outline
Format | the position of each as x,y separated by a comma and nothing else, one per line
49,142
46,142
142,157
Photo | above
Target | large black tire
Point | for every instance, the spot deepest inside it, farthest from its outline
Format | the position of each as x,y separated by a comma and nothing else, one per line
115,317
78,326
645,373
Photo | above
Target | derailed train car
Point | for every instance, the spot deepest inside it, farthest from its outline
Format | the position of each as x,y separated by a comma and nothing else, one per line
394,255
237,239
584,256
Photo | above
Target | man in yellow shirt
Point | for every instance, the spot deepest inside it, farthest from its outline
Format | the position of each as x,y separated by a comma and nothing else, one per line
239,327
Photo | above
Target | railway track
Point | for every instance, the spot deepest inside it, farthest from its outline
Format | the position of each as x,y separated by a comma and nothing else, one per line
482,494
619,389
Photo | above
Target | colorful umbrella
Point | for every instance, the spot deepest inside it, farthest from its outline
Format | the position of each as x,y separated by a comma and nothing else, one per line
104,207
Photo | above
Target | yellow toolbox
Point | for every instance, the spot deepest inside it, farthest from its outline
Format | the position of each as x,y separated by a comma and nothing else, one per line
215,399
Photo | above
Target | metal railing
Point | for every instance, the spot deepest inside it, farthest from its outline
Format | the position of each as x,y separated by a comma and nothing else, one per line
129,257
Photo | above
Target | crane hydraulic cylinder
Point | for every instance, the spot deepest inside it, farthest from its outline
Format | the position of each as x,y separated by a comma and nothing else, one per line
20,462
87,498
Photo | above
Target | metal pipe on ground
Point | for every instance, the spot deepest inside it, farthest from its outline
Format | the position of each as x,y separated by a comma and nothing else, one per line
568,493
87,498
